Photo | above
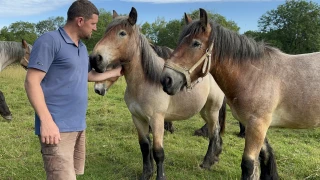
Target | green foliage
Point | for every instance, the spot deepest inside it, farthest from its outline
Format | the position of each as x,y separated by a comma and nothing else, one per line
169,35
265,36
19,30
52,23
104,19
295,25
151,31
164,33
217,18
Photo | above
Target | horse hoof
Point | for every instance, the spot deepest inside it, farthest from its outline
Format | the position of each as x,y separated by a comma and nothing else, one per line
161,178
205,166
146,176
9,118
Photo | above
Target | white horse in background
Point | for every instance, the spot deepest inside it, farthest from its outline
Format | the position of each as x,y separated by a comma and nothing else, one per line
11,51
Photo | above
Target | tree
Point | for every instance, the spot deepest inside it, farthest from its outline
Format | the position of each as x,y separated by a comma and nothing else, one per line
19,30
168,36
52,23
104,19
268,37
295,24
217,18
167,33
151,31
5,35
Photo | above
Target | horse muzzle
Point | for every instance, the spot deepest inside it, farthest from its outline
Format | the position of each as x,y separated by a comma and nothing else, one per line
172,82
96,62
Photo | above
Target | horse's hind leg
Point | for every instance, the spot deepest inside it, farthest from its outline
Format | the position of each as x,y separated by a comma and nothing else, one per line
145,147
267,162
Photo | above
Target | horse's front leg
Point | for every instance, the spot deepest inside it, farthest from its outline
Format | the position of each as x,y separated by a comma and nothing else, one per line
145,147
256,129
215,140
157,125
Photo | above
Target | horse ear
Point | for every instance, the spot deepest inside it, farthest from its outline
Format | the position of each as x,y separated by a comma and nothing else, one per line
203,18
115,14
24,44
133,15
187,19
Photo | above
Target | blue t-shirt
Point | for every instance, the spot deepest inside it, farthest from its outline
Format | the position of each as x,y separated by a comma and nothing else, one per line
65,85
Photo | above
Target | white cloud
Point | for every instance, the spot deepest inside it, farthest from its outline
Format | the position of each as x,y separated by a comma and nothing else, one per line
15,8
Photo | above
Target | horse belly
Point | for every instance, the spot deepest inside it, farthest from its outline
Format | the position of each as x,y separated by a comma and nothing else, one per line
295,120
186,104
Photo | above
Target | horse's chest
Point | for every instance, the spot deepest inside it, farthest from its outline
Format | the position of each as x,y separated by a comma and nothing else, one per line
143,105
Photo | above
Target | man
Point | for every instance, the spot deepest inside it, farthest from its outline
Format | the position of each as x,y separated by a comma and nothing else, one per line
57,87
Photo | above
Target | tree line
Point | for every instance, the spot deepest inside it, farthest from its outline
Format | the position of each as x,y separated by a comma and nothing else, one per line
293,27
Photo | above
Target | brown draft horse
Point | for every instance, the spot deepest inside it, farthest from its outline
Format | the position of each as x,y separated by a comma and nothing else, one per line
123,44
264,87
164,52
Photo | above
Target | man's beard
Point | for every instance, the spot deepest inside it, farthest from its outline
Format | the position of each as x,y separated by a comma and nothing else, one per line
87,37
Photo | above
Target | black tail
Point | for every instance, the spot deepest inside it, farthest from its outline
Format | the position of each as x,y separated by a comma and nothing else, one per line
267,162
222,116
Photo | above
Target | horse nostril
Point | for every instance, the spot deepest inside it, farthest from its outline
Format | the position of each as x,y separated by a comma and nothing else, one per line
99,58
168,81
101,92
97,91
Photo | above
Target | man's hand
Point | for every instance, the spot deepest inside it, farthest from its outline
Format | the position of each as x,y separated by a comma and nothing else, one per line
49,132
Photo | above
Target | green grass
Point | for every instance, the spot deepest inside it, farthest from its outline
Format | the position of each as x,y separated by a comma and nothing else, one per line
113,151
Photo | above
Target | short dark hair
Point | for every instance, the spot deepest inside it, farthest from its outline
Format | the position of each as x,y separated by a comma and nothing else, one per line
82,8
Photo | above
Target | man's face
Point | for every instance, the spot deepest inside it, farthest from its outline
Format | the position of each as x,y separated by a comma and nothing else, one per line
88,26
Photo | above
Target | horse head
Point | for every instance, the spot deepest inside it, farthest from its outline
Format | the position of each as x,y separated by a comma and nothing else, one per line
27,50
115,47
102,87
191,59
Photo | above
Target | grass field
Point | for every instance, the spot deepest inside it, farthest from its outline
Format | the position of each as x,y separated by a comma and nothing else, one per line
113,151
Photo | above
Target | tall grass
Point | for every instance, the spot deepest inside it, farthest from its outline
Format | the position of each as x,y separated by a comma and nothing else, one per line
113,150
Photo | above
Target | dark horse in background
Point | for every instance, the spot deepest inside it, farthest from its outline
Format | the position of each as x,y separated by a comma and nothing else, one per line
123,44
4,109
264,87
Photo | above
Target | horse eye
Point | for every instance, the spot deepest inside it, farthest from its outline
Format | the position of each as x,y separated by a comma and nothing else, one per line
122,33
196,44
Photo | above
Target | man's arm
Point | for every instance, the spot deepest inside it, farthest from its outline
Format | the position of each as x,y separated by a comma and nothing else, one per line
49,131
111,75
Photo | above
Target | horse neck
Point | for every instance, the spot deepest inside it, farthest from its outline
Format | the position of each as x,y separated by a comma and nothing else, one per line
234,78
134,72
6,61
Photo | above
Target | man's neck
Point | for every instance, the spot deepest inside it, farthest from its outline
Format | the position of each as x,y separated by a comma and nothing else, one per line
72,32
